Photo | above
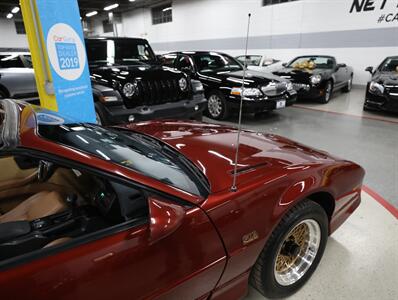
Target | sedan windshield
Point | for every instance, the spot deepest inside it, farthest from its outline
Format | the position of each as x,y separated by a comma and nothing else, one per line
312,62
112,52
131,150
390,65
216,62
251,60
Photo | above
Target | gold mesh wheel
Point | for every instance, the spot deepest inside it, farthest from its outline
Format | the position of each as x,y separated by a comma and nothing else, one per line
297,252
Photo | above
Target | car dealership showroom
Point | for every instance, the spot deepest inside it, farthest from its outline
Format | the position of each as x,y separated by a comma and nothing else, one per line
198,149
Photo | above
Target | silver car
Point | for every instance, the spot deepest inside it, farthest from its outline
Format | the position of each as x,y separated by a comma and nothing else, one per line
17,78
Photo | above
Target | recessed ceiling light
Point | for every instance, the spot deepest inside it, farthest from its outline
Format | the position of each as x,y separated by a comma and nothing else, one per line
110,7
91,13
9,16
132,0
15,9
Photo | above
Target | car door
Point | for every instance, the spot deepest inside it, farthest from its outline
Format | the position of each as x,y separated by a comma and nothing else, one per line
16,77
341,74
173,253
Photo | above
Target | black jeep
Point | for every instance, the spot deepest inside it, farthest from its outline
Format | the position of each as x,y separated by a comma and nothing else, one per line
144,89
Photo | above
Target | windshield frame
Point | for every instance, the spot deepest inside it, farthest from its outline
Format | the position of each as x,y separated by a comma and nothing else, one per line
202,186
380,68
201,54
118,43
290,64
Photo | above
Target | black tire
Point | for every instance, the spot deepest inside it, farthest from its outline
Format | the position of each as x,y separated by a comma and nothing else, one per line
2,95
222,111
328,92
263,276
348,87
100,115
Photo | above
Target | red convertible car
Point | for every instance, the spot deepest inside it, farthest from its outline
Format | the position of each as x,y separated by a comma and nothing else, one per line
146,211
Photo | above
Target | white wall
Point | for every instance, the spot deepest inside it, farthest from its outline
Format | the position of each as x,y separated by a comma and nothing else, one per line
282,31
9,37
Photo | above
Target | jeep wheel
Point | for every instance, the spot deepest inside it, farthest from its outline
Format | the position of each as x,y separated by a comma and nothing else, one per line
293,251
327,94
99,115
217,106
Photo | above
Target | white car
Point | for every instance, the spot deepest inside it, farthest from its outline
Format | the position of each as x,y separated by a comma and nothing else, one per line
260,63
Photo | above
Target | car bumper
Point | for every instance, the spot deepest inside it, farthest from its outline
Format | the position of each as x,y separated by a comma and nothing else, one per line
306,91
258,106
184,109
383,103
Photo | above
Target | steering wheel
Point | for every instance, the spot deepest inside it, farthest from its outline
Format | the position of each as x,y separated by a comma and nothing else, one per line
45,171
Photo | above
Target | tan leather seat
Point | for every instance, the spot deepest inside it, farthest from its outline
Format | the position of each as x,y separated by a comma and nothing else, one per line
58,242
38,206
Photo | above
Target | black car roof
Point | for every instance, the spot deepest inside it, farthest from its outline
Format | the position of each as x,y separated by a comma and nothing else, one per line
114,39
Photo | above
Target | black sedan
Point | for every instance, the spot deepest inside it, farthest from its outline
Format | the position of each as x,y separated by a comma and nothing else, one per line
316,77
382,90
222,78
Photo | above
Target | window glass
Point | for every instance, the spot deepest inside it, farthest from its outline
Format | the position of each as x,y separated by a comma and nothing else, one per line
118,51
162,14
216,62
129,149
184,62
251,60
10,61
168,60
390,65
313,62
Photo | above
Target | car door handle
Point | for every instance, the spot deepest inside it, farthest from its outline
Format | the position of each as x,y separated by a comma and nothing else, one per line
104,257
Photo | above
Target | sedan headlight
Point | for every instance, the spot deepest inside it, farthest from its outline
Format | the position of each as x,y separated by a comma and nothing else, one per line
129,89
376,88
316,79
183,84
247,93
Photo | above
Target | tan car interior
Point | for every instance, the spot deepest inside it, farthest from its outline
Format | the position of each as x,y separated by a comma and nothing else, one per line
23,197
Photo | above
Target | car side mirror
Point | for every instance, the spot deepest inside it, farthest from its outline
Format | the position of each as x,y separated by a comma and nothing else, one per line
165,218
341,66
369,69
284,65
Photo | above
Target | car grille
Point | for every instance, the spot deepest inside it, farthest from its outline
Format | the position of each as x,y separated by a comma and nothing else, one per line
152,92
392,90
274,89
301,86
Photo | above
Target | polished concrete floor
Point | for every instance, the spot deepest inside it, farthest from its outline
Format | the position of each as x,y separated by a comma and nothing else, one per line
360,260
342,128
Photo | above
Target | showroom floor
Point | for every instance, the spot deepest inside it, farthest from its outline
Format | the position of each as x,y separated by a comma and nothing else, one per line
342,128
361,255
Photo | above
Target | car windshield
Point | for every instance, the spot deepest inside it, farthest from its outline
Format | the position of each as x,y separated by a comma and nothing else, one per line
390,65
131,150
216,62
112,52
11,60
251,60
312,62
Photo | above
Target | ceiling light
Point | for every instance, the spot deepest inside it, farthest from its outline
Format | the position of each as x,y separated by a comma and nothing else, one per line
9,16
91,13
110,7
15,9
132,0
167,8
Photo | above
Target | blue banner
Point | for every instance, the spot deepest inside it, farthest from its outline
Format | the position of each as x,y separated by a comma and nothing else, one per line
64,40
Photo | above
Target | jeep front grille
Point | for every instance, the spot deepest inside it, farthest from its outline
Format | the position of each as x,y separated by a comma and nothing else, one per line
152,92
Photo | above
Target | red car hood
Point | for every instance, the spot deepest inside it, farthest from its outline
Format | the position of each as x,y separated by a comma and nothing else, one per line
212,149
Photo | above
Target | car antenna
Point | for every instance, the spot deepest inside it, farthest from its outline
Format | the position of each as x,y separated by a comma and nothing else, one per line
234,187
